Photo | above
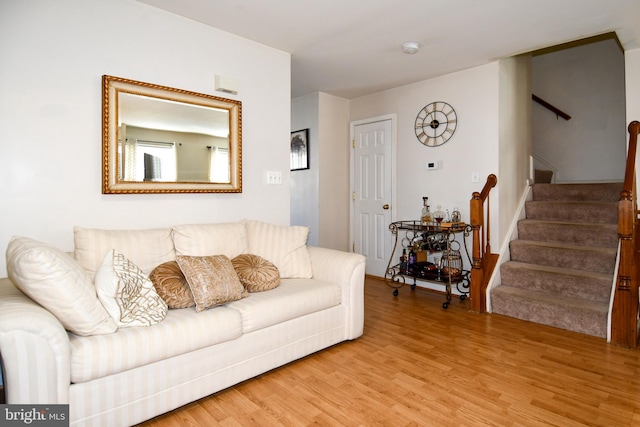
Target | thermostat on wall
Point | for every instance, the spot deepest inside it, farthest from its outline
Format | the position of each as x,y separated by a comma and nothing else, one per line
432,165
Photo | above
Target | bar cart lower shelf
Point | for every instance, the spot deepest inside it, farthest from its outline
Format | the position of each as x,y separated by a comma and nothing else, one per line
438,240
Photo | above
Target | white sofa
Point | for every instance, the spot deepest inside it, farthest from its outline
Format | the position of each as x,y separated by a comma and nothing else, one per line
124,377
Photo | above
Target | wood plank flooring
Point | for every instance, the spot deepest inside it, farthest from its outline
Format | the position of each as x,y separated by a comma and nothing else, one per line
420,365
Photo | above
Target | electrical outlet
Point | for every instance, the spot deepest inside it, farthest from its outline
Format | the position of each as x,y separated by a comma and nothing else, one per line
274,177
475,176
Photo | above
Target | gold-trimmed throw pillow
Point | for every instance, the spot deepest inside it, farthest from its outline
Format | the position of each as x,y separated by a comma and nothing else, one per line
127,293
256,273
171,285
212,280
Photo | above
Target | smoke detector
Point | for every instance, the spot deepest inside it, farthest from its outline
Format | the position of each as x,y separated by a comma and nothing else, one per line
410,47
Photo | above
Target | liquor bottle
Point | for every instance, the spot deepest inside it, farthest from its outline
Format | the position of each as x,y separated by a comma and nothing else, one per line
426,218
403,262
411,266
438,215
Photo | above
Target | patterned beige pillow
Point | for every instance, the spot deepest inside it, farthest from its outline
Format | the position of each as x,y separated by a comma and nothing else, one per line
256,273
212,280
171,285
127,293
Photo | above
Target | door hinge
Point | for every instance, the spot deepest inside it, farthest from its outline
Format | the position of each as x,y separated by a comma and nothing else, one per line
353,248
353,195
353,143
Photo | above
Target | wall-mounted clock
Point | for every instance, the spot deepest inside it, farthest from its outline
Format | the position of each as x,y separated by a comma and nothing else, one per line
436,123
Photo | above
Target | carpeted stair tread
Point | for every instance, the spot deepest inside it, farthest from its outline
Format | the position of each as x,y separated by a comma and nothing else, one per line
550,309
588,258
594,212
609,192
560,281
561,265
576,233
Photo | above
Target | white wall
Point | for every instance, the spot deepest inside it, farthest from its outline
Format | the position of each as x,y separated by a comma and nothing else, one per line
632,83
320,195
334,147
53,56
474,147
515,140
305,183
587,82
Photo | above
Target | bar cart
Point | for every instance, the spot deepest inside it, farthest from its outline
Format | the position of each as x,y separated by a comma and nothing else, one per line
414,241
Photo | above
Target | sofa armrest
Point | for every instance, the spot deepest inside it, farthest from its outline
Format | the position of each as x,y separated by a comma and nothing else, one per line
34,348
346,269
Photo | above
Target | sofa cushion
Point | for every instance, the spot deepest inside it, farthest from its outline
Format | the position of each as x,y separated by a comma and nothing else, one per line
145,248
228,239
171,285
256,273
284,246
293,298
180,332
212,280
127,293
56,281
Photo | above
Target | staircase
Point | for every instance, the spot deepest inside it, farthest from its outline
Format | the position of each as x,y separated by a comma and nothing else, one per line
562,264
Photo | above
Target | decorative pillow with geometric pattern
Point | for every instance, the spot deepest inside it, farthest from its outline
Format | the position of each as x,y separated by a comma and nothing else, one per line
127,293
212,280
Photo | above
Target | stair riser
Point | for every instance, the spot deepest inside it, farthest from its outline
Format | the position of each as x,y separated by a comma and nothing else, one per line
568,233
591,288
602,261
578,192
600,213
550,314
562,264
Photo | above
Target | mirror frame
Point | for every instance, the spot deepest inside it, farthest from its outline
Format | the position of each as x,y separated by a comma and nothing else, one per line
112,184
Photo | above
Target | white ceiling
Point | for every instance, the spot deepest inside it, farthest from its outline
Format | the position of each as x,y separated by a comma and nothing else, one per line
351,48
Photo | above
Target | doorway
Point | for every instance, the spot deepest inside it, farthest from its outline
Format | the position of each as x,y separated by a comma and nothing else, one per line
373,190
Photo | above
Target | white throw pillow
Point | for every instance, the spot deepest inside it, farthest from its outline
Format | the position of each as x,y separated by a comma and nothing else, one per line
127,293
57,282
284,246
146,248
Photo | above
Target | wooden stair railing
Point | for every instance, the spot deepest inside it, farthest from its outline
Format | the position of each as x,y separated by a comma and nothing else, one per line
484,261
624,313
551,107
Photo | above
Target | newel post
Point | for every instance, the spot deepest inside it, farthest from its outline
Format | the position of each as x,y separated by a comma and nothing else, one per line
624,330
477,293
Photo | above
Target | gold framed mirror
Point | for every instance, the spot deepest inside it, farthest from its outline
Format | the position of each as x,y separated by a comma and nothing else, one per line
158,139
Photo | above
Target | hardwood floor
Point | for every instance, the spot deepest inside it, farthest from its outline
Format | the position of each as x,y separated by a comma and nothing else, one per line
420,365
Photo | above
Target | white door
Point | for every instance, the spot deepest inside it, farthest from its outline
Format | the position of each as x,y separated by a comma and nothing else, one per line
372,184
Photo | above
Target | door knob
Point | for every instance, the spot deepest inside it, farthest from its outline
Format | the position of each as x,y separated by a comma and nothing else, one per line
385,206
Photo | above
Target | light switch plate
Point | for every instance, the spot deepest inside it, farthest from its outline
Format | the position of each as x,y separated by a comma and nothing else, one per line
274,177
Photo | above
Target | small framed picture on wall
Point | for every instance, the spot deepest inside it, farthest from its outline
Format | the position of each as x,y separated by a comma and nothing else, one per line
300,150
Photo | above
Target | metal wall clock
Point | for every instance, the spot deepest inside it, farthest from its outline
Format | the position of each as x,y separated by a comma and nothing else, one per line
436,123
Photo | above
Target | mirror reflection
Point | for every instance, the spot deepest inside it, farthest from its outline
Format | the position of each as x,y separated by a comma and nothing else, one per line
160,139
